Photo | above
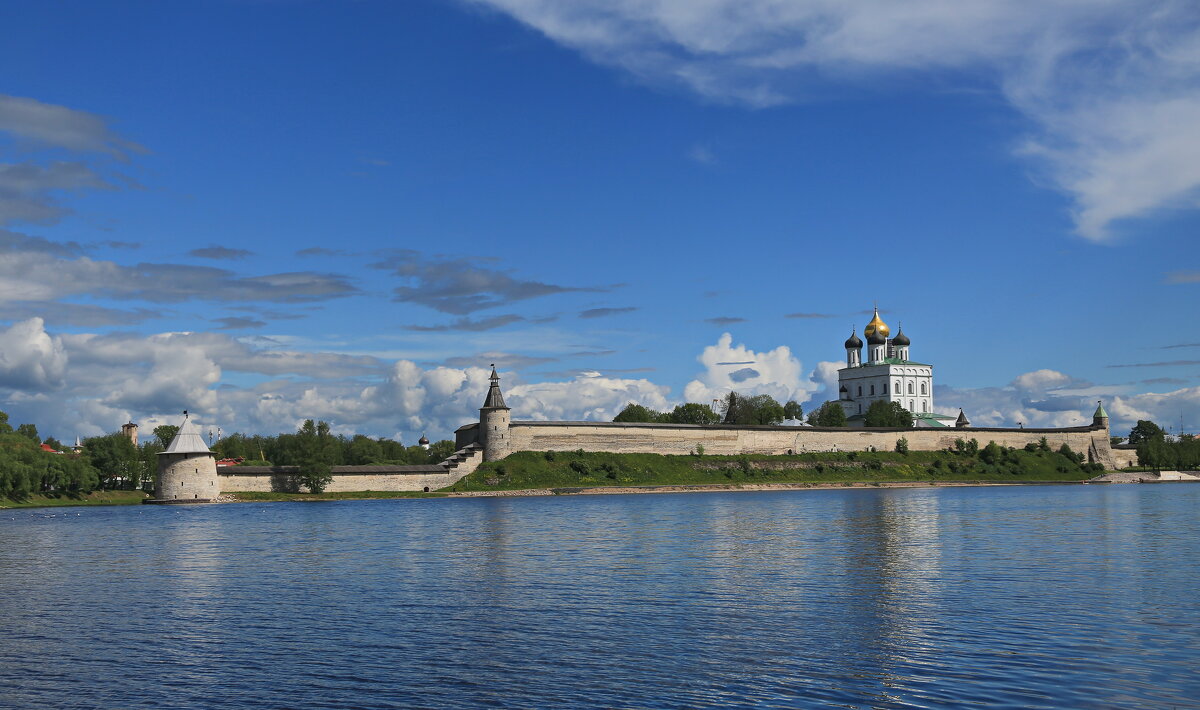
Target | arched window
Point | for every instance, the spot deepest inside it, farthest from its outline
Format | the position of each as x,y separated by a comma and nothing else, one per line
872,389
924,406
910,388
860,390
897,385
922,388
911,408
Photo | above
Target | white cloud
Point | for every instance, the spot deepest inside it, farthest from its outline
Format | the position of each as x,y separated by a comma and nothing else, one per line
1111,87
30,359
775,372
88,384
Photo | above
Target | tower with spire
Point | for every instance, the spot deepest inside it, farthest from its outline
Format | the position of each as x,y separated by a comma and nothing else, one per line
494,420
888,375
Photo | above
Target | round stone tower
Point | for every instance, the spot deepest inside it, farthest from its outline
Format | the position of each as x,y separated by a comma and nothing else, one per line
187,470
1100,418
494,419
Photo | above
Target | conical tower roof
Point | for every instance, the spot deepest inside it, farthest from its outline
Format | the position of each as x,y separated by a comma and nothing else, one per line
962,420
1100,413
495,400
187,440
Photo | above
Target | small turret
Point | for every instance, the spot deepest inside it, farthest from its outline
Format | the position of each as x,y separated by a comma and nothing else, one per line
494,420
423,442
1100,418
961,422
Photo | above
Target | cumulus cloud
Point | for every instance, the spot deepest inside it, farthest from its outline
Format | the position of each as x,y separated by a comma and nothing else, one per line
461,286
775,372
1111,88
30,359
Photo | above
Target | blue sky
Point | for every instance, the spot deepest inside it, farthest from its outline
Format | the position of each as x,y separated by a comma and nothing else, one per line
269,211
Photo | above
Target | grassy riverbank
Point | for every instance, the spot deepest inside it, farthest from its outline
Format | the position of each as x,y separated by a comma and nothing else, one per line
94,498
256,496
536,470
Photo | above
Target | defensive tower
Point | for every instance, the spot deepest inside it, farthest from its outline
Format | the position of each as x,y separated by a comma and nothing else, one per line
187,470
494,418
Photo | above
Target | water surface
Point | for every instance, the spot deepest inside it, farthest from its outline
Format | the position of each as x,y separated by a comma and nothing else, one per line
1041,596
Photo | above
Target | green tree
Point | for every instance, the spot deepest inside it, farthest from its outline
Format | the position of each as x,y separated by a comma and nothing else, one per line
364,450
764,410
441,450
29,431
5,427
887,414
1145,431
54,443
793,410
829,414
164,433
693,413
115,459
636,413
902,445
312,455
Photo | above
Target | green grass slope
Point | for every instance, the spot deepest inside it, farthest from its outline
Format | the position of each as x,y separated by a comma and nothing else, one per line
529,470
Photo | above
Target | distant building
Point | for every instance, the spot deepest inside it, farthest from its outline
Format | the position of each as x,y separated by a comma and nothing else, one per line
130,431
887,375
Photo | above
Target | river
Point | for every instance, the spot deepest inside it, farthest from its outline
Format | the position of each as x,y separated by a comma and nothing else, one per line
1022,597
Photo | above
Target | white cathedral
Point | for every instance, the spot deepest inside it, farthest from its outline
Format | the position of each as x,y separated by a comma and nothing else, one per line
887,375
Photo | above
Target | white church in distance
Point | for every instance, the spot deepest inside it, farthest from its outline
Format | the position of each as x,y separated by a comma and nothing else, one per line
886,375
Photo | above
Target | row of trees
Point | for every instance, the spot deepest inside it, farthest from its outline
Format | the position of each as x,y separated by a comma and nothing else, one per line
764,410
733,409
1153,449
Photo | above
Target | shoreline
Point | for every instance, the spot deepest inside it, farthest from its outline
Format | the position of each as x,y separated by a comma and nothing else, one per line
1110,478
747,487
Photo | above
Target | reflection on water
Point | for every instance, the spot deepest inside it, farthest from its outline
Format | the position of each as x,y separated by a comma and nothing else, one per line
1023,597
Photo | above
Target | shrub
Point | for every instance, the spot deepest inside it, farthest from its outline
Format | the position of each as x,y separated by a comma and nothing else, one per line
1031,447
1066,451
699,449
580,467
902,445
549,455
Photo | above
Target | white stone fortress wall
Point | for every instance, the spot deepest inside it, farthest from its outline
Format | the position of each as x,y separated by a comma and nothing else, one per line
682,439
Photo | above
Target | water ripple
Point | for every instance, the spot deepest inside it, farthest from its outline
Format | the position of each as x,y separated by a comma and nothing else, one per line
1046,597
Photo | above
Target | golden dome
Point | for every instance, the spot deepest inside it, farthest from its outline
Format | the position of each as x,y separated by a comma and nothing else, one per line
877,324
